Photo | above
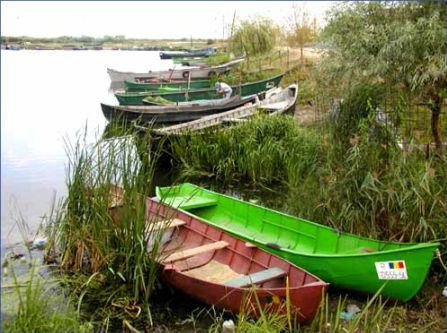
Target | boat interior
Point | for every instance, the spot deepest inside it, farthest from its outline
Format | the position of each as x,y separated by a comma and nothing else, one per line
204,252
274,229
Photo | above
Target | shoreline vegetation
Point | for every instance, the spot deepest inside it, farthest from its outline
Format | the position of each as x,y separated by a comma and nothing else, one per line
357,157
106,43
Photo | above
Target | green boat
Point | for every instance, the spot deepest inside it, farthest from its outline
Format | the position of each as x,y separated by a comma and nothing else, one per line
342,259
132,86
246,89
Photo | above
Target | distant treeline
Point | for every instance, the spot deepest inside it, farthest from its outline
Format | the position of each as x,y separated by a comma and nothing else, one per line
89,39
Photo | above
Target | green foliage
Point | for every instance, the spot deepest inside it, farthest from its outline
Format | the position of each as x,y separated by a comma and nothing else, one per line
39,309
158,99
402,44
257,151
301,29
242,76
103,238
217,59
362,101
364,185
254,37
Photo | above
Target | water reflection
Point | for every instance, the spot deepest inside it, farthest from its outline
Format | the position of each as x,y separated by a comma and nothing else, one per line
48,97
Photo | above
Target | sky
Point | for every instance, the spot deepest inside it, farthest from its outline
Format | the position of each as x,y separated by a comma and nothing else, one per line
141,19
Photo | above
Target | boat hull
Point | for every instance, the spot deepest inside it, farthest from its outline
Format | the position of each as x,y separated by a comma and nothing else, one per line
175,73
305,291
246,89
344,260
170,114
137,86
277,101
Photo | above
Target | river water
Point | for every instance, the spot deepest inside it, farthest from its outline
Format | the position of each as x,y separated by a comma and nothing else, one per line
46,98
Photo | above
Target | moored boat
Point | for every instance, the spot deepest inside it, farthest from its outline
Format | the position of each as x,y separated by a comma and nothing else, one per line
246,89
175,113
344,260
193,72
140,86
193,53
218,269
277,101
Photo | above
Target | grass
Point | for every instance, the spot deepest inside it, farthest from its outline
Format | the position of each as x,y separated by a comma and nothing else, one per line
256,151
365,185
37,307
100,242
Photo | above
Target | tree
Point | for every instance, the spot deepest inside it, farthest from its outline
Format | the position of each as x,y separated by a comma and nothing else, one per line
302,29
402,44
254,37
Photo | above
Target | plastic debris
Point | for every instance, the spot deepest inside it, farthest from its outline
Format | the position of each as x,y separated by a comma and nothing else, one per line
228,326
39,243
353,308
351,311
347,315
444,292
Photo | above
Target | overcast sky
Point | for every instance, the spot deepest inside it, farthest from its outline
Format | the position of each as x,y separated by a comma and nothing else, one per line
138,19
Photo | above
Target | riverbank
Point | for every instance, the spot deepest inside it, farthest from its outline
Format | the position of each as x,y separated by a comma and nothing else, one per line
106,43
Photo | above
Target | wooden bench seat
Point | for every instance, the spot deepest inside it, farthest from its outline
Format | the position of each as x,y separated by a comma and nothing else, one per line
255,278
165,224
183,254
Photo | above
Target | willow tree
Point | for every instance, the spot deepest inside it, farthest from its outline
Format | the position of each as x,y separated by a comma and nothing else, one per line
400,43
254,37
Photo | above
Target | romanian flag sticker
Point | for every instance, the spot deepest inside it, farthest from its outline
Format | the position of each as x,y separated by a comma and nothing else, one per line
392,270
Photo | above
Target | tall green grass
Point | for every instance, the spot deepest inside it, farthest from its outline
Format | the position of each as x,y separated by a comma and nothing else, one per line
38,307
257,151
100,238
364,184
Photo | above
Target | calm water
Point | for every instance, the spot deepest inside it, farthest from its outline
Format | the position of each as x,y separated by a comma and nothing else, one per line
46,97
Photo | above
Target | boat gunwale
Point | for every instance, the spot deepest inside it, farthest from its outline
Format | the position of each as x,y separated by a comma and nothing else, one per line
150,93
411,246
318,282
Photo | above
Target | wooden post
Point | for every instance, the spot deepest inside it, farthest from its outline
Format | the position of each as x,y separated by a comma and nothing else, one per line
288,64
189,83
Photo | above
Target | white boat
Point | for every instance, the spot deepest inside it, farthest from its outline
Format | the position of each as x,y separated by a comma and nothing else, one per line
277,101
195,72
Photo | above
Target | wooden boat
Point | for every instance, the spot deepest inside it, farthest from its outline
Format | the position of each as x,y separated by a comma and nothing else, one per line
246,89
342,259
191,62
218,269
277,101
175,113
192,54
139,86
195,72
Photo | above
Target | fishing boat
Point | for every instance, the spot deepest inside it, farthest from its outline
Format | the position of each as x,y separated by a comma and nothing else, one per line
175,113
192,54
397,270
277,101
218,269
246,89
131,86
194,72
191,62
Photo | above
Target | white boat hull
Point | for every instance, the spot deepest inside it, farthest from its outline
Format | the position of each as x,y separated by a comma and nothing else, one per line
173,74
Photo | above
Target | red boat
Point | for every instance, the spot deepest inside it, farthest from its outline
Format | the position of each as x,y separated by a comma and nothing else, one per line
218,269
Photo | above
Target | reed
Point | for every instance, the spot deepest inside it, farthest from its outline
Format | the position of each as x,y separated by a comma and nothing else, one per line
101,233
365,185
38,308
257,151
